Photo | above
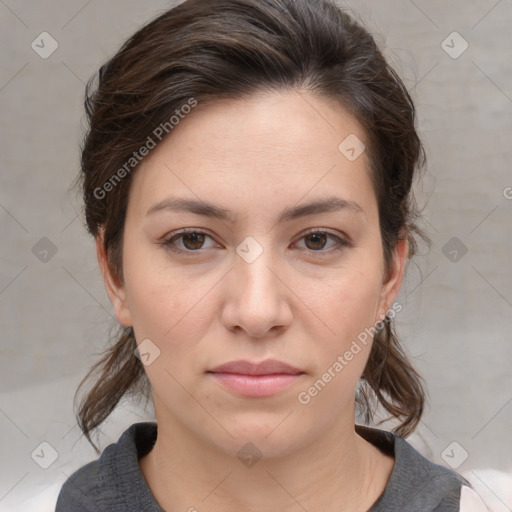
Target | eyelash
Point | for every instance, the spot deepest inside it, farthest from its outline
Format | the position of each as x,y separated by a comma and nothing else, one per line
169,241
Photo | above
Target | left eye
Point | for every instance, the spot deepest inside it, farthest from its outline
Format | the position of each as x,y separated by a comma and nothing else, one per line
317,241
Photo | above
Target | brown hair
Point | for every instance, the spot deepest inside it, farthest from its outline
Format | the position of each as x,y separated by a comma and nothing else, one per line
206,51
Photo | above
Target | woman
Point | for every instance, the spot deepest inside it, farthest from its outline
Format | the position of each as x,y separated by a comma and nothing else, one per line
247,178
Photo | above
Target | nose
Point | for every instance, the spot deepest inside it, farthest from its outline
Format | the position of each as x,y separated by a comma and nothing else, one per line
257,300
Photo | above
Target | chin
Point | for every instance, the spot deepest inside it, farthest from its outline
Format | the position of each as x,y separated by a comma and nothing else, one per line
270,438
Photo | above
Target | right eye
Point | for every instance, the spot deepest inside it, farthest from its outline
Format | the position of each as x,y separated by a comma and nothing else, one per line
191,241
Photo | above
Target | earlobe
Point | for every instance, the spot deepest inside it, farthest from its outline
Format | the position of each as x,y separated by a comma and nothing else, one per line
394,278
114,287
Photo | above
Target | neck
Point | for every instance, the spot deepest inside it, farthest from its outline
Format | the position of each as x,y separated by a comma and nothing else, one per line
338,471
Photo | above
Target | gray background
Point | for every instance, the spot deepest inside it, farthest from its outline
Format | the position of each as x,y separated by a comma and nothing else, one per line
456,324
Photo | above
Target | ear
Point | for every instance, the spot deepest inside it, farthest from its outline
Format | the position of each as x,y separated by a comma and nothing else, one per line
113,285
394,277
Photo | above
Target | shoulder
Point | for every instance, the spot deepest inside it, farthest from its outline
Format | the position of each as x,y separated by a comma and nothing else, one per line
470,501
80,489
416,484
114,480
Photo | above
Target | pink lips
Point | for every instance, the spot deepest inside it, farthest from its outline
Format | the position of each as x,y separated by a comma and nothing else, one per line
256,379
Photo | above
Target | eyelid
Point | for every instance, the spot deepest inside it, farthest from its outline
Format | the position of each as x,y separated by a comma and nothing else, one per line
337,234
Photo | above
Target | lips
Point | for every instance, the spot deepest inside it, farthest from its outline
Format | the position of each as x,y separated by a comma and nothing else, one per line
268,367
256,379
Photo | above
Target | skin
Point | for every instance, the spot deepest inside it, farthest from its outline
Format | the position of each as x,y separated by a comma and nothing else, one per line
256,157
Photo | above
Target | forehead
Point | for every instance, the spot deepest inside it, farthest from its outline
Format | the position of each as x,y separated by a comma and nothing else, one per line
295,125
266,147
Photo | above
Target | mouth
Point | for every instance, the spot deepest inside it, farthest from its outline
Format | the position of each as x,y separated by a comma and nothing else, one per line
256,379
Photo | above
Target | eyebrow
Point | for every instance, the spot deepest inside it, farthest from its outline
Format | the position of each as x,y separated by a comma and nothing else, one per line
327,205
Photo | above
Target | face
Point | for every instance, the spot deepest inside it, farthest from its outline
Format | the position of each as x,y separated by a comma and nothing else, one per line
249,273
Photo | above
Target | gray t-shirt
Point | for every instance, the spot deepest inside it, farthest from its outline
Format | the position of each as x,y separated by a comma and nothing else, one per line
114,482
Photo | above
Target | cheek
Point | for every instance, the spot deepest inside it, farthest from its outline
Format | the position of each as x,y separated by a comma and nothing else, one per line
349,303
348,307
174,313
165,305
174,318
